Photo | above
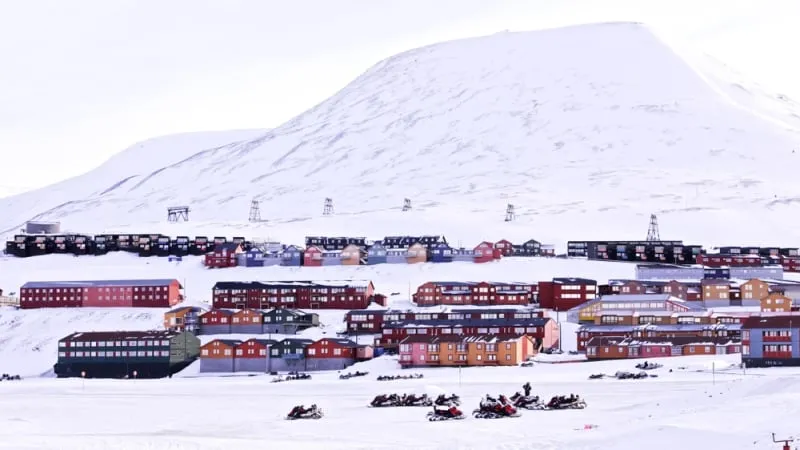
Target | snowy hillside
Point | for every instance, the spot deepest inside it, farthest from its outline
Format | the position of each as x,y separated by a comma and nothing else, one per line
595,124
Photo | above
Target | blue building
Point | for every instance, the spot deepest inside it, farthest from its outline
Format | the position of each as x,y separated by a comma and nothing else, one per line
441,253
463,254
376,254
396,255
292,256
771,341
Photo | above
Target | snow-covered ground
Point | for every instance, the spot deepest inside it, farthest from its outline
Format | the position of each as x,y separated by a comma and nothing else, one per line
688,408
586,129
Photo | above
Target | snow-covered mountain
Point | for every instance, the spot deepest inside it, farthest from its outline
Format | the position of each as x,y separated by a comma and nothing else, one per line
582,128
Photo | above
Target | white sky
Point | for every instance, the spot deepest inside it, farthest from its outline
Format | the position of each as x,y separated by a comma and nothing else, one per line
81,80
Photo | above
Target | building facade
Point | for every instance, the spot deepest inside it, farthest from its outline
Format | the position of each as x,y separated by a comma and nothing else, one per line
156,293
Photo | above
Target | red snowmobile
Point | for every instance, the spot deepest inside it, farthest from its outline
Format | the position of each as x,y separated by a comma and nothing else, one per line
440,413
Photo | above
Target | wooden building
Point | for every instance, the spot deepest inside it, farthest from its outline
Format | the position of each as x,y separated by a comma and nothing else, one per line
156,293
125,354
354,294
481,293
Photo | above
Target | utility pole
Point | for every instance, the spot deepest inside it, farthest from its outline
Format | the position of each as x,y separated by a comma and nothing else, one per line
510,214
327,209
652,231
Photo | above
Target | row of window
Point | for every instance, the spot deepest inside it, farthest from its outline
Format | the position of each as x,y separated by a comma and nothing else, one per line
262,352
450,357
85,290
458,330
257,319
73,298
125,343
116,354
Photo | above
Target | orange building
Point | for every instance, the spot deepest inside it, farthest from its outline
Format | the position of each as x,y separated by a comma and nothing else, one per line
776,302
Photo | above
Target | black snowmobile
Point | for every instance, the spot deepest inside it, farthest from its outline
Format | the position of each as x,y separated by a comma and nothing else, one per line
571,401
348,375
596,376
444,400
413,400
440,413
384,400
491,408
300,412
648,366
526,401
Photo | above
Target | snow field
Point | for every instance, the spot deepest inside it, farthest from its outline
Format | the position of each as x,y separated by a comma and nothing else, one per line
247,412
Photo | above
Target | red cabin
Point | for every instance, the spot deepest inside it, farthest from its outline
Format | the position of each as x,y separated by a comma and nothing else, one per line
485,252
505,247
224,255
312,257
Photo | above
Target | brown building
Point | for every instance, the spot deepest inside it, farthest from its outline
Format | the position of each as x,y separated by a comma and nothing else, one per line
776,302
713,289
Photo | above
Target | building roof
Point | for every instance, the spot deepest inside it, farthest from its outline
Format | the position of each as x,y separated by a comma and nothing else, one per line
289,284
266,342
602,341
562,280
120,335
489,323
296,341
98,283
228,342
185,308
769,321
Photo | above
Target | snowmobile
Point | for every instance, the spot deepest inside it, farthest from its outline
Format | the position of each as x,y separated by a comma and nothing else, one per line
297,376
413,400
384,400
300,412
349,375
566,402
596,376
624,375
445,413
443,400
527,401
491,408
648,366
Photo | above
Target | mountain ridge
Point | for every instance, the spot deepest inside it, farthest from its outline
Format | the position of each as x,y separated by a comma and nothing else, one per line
477,123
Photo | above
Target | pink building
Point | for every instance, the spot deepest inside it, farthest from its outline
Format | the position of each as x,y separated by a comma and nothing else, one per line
414,351
650,349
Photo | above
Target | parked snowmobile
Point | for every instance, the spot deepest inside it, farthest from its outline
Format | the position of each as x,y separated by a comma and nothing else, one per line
491,408
648,366
443,400
624,375
300,412
413,400
445,413
526,401
571,401
348,375
384,400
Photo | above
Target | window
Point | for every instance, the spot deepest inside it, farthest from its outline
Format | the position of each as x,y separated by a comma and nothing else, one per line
312,352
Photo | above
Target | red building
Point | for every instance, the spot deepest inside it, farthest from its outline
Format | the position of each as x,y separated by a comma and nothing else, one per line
790,263
543,330
293,294
224,255
162,293
563,294
371,321
717,260
485,252
505,247
312,257
481,293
